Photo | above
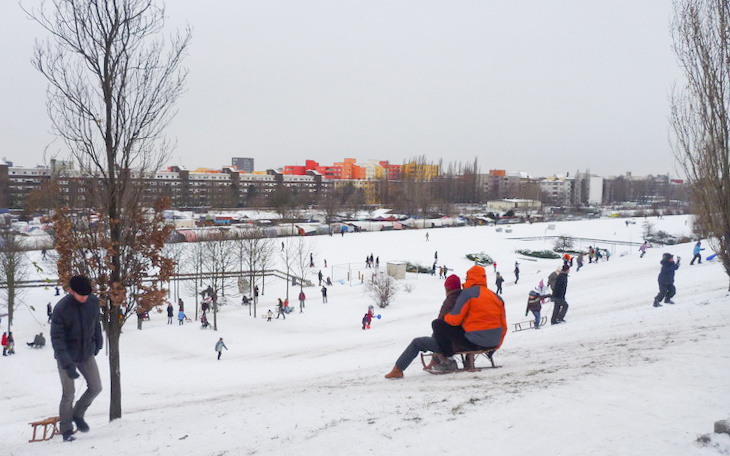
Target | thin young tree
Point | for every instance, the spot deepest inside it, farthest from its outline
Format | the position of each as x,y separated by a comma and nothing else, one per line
193,258
302,249
218,259
13,267
288,257
256,247
701,114
114,80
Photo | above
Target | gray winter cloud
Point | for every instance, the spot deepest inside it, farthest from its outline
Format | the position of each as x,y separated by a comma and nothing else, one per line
538,86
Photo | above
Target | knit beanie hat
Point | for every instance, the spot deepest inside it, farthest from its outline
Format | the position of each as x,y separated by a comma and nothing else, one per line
453,282
80,285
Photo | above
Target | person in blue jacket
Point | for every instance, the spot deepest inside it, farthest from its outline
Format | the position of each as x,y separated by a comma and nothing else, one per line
696,252
666,280
219,346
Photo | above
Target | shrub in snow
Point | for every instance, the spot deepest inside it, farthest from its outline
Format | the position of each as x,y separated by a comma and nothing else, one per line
549,254
382,288
481,258
410,267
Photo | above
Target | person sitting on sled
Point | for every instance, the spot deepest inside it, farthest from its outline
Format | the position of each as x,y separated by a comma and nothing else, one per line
476,322
452,286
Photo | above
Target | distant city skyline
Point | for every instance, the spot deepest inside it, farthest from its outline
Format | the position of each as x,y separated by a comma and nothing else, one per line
545,88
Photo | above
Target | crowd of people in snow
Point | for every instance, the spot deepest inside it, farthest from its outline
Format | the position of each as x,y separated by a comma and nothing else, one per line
471,317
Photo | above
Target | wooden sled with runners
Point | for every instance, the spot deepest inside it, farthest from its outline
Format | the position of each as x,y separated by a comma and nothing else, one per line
465,360
530,324
50,429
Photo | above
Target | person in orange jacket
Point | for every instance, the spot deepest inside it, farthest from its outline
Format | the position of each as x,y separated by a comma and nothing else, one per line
476,322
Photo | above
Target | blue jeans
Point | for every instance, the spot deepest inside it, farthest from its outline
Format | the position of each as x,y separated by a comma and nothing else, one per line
536,313
419,344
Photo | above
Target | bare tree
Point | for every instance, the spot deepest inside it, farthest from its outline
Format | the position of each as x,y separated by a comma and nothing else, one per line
218,258
113,82
382,288
193,264
257,250
13,267
288,256
176,253
302,248
563,244
700,114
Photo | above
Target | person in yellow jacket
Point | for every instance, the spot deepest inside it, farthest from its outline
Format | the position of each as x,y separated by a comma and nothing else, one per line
476,322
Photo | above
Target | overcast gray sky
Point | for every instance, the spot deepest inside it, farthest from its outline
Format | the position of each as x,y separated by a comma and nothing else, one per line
542,86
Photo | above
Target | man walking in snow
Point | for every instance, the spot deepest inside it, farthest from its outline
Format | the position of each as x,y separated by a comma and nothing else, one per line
560,305
76,338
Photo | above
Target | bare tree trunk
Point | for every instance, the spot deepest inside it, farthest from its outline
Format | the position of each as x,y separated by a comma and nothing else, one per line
701,114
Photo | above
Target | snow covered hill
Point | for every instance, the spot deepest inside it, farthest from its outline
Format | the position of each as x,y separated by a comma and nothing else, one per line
619,378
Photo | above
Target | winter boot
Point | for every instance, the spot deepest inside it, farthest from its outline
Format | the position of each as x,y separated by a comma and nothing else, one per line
81,425
447,366
68,436
395,373
668,301
656,304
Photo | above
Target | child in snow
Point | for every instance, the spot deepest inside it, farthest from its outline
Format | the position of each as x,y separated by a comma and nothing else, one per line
219,346
643,248
10,344
368,318
269,315
696,252
534,305
366,321
181,317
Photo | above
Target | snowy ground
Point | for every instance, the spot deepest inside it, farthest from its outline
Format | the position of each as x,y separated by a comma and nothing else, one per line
619,378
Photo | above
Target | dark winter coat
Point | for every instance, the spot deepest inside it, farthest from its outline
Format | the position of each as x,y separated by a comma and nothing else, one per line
448,303
552,278
76,330
499,281
170,312
666,275
533,303
561,286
